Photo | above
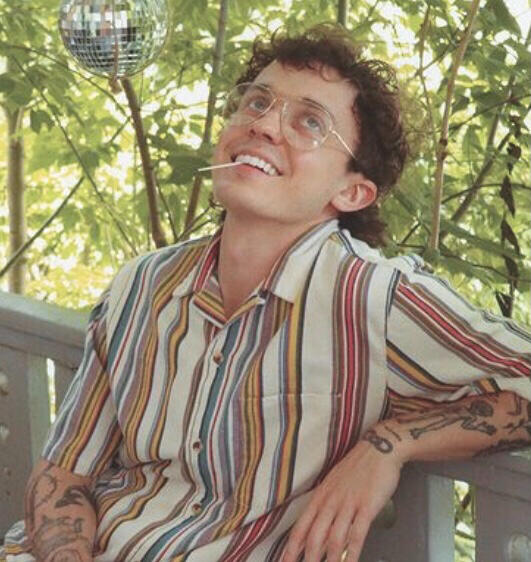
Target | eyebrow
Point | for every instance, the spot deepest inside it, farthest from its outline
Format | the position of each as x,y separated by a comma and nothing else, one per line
314,102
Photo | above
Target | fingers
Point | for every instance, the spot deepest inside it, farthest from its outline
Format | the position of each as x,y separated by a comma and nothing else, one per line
316,538
338,537
297,537
341,539
358,533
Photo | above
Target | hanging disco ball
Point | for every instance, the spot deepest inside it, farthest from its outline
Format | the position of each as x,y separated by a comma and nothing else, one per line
114,38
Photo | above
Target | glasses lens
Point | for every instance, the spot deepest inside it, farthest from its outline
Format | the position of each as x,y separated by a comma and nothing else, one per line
247,102
305,125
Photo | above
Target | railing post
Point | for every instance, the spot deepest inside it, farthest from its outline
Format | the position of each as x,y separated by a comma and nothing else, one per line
423,527
24,420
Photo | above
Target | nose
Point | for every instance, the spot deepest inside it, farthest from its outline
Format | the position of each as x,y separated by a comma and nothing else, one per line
269,125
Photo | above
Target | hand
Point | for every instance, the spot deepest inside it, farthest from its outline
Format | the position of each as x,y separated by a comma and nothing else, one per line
346,502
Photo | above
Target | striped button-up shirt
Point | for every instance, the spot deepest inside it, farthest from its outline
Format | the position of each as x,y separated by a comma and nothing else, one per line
207,434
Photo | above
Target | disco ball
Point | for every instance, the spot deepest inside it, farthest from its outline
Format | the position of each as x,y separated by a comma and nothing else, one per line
114,38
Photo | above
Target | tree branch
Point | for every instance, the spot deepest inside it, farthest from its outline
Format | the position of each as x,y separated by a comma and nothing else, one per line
342,12
484,185
15,257
207,132
443,140
423,32
489,156
147,166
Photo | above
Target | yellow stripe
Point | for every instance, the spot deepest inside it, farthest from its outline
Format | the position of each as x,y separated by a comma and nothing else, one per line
290,410
71,452
172,371
415,374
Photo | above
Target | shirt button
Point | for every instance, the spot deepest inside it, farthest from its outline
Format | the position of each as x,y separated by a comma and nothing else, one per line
196,508
218,357
196,445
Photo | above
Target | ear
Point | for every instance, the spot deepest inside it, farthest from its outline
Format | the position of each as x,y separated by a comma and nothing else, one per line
360,193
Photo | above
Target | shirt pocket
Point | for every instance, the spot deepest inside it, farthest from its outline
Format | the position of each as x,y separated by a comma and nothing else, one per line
284,444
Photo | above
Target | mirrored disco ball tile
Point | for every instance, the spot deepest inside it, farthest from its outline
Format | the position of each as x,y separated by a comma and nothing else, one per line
114,37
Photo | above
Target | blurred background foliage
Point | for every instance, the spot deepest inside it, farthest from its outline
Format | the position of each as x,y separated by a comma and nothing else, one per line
62,127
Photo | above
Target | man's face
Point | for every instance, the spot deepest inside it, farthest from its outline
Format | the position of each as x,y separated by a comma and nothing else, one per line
307,183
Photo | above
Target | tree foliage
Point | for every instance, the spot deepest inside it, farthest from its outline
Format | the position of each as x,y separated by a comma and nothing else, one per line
76,128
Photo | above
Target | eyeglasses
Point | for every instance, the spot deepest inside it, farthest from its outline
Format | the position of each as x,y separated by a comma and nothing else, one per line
304,124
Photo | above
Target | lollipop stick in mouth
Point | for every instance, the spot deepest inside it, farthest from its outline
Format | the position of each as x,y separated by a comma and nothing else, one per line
215,166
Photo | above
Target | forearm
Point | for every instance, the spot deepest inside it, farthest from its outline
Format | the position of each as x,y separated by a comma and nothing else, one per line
468,427
60,515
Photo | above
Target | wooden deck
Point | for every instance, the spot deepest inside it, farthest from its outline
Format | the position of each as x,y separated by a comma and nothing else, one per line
40,341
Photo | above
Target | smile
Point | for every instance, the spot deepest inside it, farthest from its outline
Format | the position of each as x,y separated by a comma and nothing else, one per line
258,163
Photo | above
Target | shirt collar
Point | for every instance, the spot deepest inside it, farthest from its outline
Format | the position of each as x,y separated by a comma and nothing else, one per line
287,274
200,274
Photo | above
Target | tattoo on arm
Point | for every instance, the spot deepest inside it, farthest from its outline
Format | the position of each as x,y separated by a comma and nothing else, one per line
518,403
469,417
67,555
378,442
524,422
393,433
41,489
74,495
504,445
53,534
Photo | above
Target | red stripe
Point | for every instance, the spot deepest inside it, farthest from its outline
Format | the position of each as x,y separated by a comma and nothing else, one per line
465,341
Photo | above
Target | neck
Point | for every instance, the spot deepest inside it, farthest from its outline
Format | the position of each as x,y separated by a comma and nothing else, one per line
248,251
254,244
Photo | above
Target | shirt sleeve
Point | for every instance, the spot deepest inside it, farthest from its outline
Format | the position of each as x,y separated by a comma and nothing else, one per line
86,434
440,348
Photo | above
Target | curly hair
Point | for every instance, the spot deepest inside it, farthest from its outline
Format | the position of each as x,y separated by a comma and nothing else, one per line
383,148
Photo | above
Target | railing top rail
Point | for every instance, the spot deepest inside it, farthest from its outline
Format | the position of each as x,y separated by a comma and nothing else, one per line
40,327
505,473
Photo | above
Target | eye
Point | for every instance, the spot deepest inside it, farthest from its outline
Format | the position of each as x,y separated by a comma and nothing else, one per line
314,123
258,103
255,101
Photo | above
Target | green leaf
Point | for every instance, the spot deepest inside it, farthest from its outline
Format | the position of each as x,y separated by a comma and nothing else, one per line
503,15
38,118
95,232
476,241
460,103
6,83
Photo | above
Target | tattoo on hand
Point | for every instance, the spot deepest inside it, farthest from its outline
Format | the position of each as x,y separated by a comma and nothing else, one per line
467,416
380,443
74,495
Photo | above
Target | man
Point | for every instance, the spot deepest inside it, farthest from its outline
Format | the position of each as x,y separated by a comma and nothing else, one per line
253,395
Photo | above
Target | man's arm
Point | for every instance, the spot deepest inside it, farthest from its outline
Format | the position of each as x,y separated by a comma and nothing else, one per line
346,502
60,514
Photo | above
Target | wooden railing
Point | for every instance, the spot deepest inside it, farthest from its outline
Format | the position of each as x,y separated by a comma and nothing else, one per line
42,343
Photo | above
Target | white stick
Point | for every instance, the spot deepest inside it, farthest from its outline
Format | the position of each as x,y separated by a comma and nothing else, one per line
228,165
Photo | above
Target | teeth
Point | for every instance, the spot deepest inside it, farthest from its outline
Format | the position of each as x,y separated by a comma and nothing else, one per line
256,162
